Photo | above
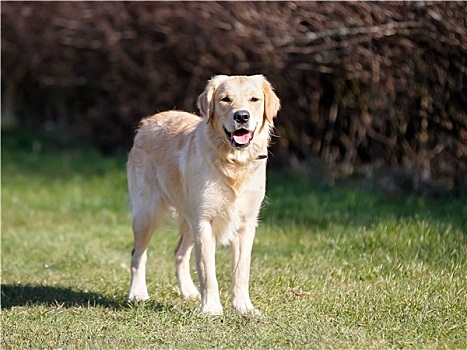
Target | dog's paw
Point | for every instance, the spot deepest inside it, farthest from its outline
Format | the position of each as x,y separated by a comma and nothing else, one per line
246,308
190,292
191,295
137,297
248,312
212,309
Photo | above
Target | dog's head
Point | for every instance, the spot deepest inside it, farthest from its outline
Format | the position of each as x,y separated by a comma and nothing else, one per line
239,107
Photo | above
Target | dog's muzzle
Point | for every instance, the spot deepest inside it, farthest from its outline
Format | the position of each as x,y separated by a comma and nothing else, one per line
240,138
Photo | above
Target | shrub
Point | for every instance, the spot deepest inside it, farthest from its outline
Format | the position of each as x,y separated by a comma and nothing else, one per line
360,83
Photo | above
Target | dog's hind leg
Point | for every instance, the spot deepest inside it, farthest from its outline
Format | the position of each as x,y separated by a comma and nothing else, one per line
182,261
146,218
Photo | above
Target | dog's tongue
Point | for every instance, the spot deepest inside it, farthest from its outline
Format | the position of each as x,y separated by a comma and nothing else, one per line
242,137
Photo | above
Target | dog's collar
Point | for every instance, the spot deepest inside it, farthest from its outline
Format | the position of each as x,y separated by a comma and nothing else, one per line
262,156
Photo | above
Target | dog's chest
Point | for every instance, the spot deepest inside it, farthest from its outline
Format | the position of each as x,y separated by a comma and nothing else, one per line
230,213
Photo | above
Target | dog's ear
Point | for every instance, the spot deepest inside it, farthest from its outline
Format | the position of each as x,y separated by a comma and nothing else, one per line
206,99
272,104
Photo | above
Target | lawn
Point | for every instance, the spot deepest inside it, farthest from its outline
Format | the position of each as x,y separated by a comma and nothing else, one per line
333,267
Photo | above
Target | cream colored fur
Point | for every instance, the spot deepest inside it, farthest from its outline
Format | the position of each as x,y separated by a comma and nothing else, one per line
216,184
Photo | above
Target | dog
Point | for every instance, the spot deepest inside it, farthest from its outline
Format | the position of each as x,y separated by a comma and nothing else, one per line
212,171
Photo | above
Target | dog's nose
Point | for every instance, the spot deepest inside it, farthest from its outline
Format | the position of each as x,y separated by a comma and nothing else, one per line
241,116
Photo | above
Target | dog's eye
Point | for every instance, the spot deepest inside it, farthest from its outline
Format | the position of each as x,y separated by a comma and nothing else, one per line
254,99
226,99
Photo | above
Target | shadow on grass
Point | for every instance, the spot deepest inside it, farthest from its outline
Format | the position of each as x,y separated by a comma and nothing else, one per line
22,295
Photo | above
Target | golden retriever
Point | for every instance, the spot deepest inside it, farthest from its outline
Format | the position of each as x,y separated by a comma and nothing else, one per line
212,171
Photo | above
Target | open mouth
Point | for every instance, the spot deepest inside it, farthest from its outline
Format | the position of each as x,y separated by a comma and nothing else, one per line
240,138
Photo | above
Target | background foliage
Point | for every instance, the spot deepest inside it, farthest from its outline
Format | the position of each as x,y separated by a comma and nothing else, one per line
362,84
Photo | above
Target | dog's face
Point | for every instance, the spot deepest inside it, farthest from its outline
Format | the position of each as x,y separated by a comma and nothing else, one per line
239,107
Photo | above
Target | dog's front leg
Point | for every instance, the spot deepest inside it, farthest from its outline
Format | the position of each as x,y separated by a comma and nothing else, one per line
205,250
241,258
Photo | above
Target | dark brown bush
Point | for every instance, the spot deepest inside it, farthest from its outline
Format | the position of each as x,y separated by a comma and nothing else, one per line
361,83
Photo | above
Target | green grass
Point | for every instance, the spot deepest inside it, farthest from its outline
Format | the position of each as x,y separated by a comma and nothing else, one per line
332,267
